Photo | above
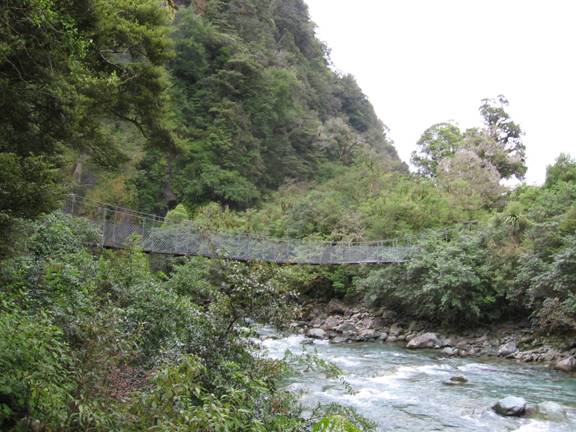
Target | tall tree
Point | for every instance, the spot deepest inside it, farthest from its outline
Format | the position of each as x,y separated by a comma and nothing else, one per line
510,157
438,142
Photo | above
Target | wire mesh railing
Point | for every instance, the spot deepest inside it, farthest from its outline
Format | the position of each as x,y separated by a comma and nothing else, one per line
120,226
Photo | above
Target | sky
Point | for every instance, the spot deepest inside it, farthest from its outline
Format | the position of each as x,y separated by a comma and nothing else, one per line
422,62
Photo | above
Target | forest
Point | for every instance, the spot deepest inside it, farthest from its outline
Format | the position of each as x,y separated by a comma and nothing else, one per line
229,114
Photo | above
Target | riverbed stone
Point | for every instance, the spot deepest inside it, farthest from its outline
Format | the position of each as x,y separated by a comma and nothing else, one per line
426,340
395,329
347,326
507,349
567,364
382,337
368,334
456,380
551,411
336,307
316,333
331,322
450,351
340,340
510,406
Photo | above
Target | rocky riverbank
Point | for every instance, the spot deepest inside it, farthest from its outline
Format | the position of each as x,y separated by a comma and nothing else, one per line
341,323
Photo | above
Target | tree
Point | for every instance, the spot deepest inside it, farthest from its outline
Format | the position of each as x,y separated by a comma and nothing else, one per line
563,169
66,67
475,181
438,142
510,156
339,140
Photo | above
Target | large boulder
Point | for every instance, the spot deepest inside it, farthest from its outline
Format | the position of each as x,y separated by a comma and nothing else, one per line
426,340
316,333
510,406
567,365
507,349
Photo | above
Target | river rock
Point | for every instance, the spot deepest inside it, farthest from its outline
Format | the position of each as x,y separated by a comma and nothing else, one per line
347,327
331,322
426,340
382,337
388,316
507,349
316,333
510,406
336,307
456,380
395,329
566,365
551,411
340,340
450,351
368,334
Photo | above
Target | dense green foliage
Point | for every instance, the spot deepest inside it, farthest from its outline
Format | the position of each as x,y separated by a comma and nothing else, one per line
67,68
226,112
100,342
255,105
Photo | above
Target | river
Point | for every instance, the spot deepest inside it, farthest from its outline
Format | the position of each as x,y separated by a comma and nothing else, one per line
403,390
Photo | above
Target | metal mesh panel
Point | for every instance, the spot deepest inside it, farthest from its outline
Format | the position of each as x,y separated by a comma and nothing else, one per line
120,227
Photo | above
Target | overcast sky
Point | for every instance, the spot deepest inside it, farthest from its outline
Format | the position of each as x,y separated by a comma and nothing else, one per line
422,62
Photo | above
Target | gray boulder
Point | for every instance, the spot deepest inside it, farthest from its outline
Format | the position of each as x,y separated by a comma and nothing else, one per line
316,333
426,340
340,340
566,365
507,349
510,406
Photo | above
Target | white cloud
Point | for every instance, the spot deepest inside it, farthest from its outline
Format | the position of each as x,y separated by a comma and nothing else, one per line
425,61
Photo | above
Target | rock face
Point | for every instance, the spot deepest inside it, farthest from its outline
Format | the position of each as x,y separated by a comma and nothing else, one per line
507,349
316,333
567,365
510,406
426,340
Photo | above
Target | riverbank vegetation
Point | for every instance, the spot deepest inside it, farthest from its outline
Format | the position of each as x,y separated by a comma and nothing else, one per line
227,113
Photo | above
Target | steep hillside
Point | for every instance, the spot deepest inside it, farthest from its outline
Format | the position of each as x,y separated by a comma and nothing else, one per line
254,104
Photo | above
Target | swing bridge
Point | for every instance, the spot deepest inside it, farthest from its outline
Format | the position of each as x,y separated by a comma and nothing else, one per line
120,226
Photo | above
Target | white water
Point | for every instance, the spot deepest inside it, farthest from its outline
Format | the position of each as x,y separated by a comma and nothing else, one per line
403,390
